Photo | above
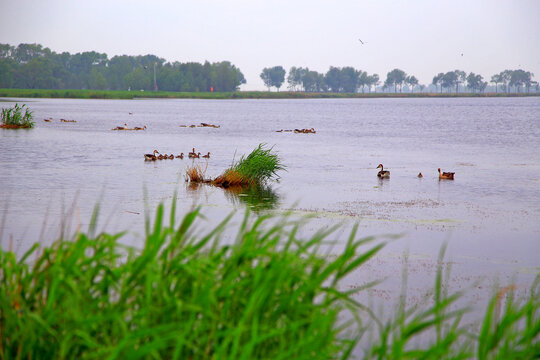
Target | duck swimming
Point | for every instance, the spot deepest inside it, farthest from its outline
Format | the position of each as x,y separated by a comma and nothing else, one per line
181,156
151,157
383,173
171,157
207,156
446,175
121,127
420,175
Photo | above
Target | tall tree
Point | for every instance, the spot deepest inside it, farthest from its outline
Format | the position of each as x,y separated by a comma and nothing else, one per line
496,79
476,82
372,80
312,81
519,78
333,79
449,80
396,77
506,75
274,76
349,79
461,77
412,81
437,80
295,78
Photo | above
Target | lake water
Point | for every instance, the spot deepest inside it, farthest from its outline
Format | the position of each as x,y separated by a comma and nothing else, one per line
489,215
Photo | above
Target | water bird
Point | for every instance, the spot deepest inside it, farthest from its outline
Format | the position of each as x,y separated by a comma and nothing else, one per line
383,173
151,157
191,153
121,127
48,120
420,175
171,157
207,156
160,157
195,156
446,175
139,128
181,156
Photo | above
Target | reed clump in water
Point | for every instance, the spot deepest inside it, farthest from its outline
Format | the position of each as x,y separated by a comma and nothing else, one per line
14,118
261,165
196,174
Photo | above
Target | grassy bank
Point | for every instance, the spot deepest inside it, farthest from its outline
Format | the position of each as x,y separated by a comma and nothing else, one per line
264,294
109,94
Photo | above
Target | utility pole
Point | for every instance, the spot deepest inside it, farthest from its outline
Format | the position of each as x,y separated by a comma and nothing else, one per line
155,83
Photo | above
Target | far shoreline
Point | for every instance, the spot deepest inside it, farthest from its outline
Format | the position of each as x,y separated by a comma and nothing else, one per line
131,95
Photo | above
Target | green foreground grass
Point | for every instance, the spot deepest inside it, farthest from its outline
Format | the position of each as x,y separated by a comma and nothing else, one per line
110,94
263,294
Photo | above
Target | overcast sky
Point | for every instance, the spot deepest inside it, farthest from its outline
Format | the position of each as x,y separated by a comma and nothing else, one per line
421,37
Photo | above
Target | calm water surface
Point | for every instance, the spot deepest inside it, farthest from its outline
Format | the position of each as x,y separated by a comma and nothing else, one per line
489,215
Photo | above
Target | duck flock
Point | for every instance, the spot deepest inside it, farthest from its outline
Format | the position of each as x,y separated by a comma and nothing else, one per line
156,155
442,175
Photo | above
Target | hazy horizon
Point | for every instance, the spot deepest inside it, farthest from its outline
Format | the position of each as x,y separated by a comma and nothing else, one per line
422,38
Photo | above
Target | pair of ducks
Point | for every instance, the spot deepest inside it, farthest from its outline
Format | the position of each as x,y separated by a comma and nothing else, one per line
194,155
126,128
442,175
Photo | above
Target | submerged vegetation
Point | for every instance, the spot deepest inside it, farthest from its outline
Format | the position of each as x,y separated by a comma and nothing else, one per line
13,118
261,165
265,293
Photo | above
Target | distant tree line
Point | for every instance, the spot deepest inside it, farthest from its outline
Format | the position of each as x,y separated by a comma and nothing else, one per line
350,80
32,66
346,79
510,80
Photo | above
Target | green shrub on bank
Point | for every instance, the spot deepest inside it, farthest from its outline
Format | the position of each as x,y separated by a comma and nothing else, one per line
14,117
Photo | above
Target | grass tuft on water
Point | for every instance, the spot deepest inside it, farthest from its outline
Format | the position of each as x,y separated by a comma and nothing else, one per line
14,118
260,166
196,174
